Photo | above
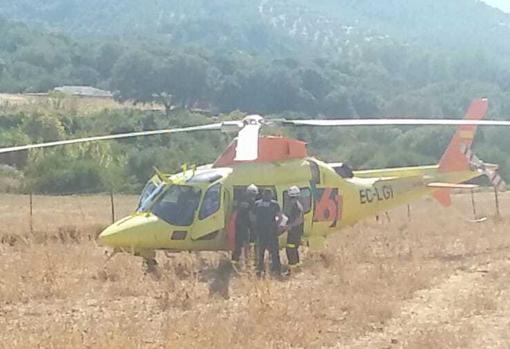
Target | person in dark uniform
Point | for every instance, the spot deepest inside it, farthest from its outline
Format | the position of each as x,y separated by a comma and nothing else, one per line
267,217
295,227
244,223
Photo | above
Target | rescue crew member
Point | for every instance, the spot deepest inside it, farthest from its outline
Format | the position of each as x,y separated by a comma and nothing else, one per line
244,223
295,226
267,217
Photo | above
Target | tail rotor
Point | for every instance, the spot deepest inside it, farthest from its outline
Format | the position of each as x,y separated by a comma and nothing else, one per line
489,170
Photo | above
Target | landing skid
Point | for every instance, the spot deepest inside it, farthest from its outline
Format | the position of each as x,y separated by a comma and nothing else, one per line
477,220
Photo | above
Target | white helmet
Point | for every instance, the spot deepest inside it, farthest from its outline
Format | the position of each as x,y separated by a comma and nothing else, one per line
294,191
252,189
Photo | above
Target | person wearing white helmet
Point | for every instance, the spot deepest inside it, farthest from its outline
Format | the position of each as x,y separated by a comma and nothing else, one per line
294,192
295,226
252,190
244,223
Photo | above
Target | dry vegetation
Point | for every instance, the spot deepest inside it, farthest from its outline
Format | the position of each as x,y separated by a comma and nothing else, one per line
61,103
436,281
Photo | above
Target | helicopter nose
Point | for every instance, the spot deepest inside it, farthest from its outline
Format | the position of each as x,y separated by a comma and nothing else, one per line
133,231
112,237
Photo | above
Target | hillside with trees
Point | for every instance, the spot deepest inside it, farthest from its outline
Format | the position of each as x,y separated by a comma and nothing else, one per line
124,166
372,79
253,25
344,58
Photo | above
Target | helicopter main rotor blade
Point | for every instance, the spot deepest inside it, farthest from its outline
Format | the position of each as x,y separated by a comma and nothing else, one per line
209,127
391,122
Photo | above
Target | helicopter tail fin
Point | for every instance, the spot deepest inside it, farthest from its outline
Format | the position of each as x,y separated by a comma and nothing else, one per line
453,158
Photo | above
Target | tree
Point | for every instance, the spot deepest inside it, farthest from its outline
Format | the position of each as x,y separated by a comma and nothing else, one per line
133,77
338,104
366,104
106,57
315,82
43,128
184,78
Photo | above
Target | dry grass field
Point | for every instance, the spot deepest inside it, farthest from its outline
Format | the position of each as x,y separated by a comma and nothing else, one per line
65,104
435,281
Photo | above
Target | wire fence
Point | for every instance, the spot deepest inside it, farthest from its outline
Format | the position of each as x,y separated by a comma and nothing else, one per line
474,204
33,214
85,215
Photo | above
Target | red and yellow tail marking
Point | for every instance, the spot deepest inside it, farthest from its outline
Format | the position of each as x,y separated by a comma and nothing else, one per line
453,159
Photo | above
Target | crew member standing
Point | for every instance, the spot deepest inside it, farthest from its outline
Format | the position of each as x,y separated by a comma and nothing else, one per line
267,217
244,223
294,227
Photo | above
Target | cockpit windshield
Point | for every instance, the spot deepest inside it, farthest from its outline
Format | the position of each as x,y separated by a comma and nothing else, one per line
177,205
149,194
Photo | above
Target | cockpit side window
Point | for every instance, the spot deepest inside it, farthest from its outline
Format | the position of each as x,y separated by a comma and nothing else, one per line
211,203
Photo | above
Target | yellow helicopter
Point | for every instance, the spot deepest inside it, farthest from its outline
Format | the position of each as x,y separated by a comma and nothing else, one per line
192,210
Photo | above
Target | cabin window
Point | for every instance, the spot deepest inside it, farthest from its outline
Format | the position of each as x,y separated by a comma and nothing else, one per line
179,235
305,198
211,203
343,170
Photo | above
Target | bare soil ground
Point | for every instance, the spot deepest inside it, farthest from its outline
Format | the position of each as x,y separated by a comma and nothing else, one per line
434,281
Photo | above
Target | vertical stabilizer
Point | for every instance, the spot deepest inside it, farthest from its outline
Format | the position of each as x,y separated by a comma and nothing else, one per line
453,158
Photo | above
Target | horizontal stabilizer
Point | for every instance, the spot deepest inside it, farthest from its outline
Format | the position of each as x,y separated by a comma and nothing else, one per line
439,185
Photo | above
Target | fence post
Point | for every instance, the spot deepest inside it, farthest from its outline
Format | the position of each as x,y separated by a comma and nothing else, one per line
473,203
496,198
408,212
31,221
113,206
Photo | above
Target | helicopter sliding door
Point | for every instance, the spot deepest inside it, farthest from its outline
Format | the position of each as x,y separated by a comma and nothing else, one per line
210,219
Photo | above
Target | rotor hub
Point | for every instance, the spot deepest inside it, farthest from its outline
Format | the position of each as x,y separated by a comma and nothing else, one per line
253,120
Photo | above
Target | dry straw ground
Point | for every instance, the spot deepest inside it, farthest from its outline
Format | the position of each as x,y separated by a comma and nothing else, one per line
436,281
60,103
